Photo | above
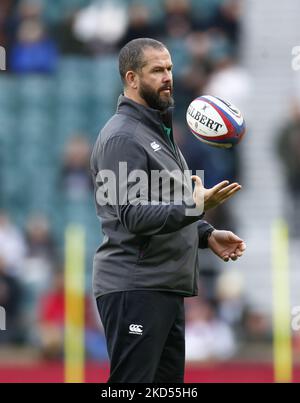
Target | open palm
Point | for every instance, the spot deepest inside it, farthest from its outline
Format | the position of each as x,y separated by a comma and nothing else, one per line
226,245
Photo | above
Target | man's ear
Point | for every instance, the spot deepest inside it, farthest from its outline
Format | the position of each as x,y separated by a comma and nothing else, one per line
131,79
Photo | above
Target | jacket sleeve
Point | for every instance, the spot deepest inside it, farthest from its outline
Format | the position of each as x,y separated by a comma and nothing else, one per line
141,217
204,231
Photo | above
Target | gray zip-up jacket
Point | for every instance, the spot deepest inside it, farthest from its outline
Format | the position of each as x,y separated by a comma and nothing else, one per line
145,246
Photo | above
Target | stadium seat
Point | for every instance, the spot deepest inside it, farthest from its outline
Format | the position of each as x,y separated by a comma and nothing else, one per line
36,90
8,89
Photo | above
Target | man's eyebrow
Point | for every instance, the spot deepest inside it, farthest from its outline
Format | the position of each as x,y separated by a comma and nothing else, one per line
159,66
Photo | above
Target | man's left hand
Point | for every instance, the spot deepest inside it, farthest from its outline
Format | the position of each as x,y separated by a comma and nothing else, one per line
226,245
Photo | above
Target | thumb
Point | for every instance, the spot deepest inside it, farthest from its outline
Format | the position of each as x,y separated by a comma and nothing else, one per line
197,180
234,238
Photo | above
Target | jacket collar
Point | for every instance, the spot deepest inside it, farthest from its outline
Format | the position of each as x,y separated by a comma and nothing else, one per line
152,117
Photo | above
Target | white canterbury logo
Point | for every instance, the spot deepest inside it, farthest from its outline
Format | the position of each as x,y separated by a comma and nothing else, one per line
155,146
136,329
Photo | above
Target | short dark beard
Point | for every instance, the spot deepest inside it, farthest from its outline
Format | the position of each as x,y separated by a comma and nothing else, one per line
153,98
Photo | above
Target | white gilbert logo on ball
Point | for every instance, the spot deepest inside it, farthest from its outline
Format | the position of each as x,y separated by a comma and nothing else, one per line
215,121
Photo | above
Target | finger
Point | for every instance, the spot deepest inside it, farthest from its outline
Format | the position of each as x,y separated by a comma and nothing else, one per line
197,180
239,248
233,256
219,186
228,188
242,246
239,253
226,259
230,192
228,196
232,237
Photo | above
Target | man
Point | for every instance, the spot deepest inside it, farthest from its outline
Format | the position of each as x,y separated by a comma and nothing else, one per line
147,262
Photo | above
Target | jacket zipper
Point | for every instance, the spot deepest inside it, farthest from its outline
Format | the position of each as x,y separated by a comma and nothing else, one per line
174,150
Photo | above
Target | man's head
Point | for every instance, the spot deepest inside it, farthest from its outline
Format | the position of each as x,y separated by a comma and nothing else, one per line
146,70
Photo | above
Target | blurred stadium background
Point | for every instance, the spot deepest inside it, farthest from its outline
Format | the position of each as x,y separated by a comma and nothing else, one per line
60,86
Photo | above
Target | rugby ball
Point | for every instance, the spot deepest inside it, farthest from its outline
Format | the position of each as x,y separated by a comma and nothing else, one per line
215,121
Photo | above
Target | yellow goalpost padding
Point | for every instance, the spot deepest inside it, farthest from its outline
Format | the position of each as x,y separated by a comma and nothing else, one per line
74,351
282,347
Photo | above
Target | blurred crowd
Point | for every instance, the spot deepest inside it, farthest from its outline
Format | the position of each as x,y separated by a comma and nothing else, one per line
288,150
204,38
32,270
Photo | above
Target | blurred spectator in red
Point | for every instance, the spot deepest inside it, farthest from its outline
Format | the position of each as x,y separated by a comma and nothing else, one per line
34,51
288,148
296,344
76,178
52,320
12,245
11,300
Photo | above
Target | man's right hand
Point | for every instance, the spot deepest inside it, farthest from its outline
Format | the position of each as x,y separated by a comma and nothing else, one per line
214,196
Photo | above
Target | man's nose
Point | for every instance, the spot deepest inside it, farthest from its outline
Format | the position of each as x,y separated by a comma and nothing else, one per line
167,76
